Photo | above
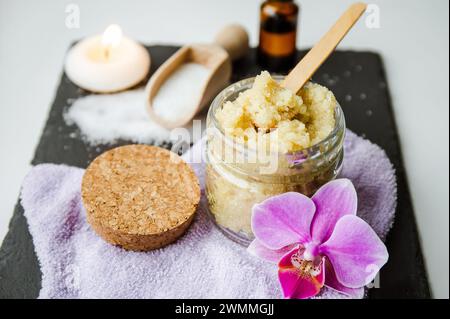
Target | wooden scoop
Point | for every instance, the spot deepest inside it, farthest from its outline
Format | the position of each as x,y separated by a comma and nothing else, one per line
305,69
210,56
216,57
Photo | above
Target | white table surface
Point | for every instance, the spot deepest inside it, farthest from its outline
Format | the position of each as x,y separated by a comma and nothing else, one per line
413,39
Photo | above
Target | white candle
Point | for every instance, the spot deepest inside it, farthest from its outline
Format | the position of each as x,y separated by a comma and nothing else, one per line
108,62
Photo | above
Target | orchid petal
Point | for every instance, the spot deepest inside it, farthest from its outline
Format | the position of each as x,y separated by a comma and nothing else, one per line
296,284
283,220
332,282
355,251
257,249
333,200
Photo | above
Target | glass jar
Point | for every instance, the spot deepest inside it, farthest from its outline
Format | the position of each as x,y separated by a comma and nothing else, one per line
237,176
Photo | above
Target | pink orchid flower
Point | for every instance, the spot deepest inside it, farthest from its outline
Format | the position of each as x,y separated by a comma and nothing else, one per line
318,241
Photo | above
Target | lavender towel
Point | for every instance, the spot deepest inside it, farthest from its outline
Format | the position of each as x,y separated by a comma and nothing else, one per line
76,263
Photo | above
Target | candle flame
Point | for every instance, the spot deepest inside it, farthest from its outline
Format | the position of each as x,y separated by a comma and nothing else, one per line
112,36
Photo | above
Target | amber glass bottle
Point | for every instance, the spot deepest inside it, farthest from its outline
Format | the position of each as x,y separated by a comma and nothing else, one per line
278,34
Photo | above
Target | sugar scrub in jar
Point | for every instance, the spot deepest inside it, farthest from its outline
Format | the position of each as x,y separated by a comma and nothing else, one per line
263,140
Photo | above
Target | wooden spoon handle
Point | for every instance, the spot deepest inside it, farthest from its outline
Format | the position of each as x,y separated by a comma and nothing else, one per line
305,69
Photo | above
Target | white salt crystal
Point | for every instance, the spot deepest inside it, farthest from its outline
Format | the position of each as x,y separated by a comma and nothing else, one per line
180,94
106,118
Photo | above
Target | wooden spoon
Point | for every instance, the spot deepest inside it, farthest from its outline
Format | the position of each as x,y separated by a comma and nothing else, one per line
216,57
305,69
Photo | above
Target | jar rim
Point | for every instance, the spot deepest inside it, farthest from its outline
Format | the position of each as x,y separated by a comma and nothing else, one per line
221,98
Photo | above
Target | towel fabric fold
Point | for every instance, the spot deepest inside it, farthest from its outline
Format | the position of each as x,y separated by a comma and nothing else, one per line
76,263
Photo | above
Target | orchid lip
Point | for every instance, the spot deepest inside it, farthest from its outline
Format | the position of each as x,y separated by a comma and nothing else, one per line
305,266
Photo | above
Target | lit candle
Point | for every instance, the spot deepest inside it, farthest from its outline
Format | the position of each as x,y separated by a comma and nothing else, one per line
107,63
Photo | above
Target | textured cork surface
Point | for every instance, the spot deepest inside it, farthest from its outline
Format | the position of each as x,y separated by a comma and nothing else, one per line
140,197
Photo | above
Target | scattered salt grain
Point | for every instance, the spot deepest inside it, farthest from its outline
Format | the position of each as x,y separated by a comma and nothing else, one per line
106,118
180,94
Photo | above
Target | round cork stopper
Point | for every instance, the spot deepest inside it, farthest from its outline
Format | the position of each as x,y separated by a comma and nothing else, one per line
140,197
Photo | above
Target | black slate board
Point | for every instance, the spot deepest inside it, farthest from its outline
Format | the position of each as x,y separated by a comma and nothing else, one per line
359,83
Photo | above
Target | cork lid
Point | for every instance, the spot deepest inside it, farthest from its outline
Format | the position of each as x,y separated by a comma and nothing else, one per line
139,190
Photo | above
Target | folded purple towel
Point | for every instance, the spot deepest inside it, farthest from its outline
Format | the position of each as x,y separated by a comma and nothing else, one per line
76,263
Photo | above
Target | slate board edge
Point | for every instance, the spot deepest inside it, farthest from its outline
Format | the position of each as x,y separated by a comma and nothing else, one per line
402,179
18,217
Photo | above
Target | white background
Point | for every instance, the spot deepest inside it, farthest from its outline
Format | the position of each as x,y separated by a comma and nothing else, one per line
413,40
